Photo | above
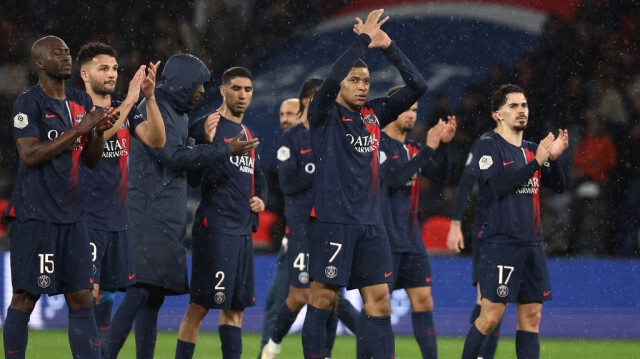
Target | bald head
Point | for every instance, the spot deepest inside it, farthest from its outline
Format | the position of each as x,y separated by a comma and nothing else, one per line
51,58
289,113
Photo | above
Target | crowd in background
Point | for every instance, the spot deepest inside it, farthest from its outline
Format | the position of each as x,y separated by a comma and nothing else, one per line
583,75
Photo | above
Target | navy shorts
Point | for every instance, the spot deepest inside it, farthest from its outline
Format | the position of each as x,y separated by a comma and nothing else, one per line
410,270
50,258
510,273
112,255
222,270
298,259
349,255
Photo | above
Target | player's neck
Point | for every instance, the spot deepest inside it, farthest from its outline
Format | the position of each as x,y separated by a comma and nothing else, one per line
343,103
511,135
229,115
52,87
100,100
394,132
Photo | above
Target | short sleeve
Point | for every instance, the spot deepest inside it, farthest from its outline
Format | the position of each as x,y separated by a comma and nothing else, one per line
26,116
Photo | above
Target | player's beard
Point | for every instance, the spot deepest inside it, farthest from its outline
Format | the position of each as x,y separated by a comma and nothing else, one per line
101,89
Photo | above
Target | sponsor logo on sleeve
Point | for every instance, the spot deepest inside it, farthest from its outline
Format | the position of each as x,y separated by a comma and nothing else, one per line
485,162
20,120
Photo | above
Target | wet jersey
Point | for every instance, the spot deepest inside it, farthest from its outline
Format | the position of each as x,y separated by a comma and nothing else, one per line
51,191
106,194
510,177
295,174
228,185
346,143
470,176
401,164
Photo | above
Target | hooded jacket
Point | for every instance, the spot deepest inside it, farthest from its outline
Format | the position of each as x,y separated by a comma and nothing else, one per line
157,183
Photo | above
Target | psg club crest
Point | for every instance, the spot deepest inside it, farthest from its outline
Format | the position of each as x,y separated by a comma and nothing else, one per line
331,271
370,119
79,118
44,281
503,291
219,297
303,277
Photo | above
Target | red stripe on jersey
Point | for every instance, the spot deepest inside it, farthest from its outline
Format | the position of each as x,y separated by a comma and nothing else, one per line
415,187
123,137
286,230
374,131
205,223
77,111
536,194
253,160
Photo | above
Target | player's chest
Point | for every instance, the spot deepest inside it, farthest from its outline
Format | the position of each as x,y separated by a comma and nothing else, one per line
58,118
360,131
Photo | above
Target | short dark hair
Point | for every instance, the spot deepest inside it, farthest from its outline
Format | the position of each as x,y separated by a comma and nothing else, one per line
394,89
499,96
360,63
233,72
89,51
308,89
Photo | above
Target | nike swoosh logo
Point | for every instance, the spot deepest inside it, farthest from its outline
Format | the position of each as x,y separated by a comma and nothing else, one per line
304,152
545,293
13,351
507,163
228,139
387,275
48,115
131,276
428,279
394,157
344,119
91,281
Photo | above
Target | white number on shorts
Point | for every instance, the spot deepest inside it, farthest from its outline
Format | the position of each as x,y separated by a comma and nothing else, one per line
299,262
94,252
219,274
501,269
334,244
46,263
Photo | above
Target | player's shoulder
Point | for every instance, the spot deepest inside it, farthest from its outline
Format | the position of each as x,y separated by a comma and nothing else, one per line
77,95
29,95
529,144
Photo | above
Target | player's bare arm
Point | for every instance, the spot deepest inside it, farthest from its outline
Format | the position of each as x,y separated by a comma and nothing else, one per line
210,126
256,204
92,153
455,239
151,132
33,152
239,147
371,27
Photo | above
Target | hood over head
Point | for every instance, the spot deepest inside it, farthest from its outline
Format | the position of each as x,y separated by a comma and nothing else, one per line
182,74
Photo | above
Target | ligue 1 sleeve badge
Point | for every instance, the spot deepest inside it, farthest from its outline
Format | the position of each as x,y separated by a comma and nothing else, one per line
20,120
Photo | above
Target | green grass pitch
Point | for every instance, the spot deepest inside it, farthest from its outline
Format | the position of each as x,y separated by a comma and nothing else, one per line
53,344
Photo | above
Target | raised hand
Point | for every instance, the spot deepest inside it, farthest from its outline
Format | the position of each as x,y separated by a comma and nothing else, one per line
449,129
434,134
371,27
455,239
239,148
559,145
542,154
134,87
149,81
211,125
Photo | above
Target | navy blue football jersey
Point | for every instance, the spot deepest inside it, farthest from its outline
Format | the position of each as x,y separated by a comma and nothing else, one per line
402,164
346,143
511,178
105,200
295,174
471,176
228,185
51,191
